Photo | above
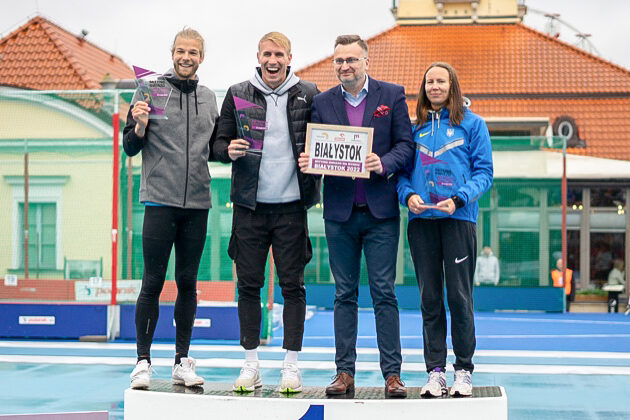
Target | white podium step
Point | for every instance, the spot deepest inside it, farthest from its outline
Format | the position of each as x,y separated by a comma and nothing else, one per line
163,400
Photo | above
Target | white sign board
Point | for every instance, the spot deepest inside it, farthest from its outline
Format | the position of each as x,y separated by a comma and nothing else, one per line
127,291
36,320
338,149
200,323
10,280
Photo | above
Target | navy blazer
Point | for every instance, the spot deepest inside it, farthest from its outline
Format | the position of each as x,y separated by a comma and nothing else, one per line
391,142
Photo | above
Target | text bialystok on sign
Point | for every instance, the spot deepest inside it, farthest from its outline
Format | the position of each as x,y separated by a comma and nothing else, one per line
338,149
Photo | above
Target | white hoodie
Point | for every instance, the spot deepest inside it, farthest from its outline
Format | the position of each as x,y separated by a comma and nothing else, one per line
277,176
487,269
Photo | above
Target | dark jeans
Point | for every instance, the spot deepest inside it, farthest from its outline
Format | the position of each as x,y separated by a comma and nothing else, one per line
287,234
379,240
444,251
164,227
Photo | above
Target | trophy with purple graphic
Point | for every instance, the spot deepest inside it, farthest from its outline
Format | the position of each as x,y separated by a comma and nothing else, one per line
153,89
440,181
250,123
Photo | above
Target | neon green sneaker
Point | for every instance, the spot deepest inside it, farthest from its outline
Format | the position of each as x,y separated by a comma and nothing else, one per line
291,380
249,378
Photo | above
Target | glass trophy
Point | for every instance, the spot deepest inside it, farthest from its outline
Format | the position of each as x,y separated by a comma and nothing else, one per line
250,125
153,89
440,181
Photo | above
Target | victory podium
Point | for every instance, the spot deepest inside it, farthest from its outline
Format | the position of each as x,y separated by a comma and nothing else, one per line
164,400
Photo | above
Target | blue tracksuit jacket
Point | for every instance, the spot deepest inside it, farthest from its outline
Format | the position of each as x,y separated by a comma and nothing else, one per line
449,160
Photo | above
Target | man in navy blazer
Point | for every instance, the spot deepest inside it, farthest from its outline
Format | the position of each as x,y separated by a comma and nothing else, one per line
363,213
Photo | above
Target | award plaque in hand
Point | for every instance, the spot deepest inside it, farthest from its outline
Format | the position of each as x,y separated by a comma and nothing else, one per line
153,89
250,123
338,149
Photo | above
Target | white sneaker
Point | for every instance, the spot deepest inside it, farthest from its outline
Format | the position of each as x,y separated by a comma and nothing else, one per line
291,379
184,373
249,378
141,375
436,385
462,386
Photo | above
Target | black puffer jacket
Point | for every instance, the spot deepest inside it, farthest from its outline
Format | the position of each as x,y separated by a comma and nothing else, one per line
245,169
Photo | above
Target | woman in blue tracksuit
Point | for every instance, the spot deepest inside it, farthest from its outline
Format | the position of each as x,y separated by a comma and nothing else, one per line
452,168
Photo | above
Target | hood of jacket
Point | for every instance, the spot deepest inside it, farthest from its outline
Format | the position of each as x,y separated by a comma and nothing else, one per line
183,85
284,87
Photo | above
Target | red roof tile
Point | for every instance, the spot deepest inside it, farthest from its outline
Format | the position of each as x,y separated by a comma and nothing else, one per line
508,70
41,55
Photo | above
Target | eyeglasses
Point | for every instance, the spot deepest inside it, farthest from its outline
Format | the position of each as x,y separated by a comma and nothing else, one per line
349,60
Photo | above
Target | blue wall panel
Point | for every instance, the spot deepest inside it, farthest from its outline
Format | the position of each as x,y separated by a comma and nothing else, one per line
223,323
549,299
70,320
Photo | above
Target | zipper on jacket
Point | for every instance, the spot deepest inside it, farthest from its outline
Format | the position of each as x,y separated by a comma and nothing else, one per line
435,116
293,144
187,145
263,102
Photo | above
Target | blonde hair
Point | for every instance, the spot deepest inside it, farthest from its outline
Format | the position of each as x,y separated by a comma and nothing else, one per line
189,33
277,38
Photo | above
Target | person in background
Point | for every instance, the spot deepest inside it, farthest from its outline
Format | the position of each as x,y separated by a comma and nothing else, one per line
558,281
175,189
451,170
487,269
617,283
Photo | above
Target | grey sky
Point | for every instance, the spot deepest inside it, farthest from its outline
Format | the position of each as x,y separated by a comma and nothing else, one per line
140,32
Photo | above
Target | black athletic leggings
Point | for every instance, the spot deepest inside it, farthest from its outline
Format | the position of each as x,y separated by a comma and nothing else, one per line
163,227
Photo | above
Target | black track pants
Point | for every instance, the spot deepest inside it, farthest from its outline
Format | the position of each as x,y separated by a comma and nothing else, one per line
163,228
444,252
287,234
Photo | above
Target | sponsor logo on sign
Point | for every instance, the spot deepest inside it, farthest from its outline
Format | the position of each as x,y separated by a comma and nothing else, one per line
200,322
97,290
340,137
36,320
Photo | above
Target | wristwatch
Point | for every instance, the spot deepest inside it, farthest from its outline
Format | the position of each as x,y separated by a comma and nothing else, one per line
458,202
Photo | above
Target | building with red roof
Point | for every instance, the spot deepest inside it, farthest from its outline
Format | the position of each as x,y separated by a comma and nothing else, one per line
41,55
507,70
52,108
525,84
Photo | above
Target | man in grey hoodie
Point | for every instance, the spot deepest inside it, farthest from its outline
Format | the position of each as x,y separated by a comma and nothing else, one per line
175,189
261,131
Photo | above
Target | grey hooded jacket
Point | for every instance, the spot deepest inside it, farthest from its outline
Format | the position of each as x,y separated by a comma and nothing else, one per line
175,151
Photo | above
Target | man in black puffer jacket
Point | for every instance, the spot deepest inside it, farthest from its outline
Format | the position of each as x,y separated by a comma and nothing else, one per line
261,131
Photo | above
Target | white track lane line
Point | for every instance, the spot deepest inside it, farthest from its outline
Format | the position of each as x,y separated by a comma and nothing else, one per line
315,365
305,350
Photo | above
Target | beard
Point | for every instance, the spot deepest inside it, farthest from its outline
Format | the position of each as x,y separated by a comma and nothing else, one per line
185,72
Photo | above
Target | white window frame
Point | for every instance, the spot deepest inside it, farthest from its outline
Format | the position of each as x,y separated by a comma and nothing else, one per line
42,189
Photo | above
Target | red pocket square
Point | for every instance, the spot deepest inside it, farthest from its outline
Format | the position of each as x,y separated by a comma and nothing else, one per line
381,111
